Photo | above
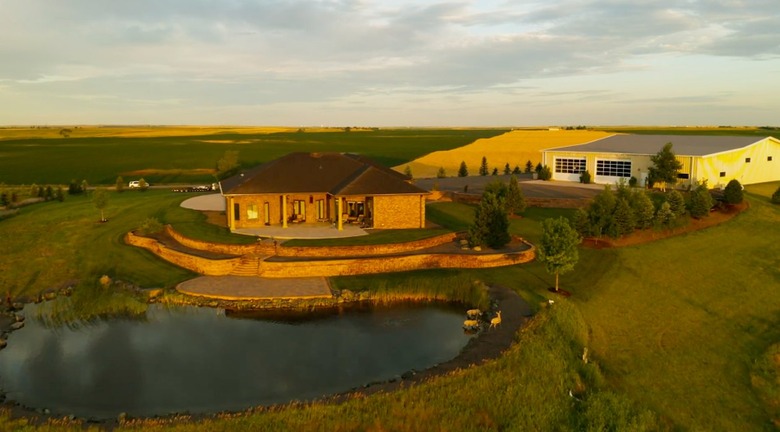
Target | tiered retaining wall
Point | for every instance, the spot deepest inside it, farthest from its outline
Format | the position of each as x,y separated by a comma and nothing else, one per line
205,266
386,264
223,248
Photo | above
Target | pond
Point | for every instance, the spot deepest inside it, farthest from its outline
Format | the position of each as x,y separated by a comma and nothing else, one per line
202,360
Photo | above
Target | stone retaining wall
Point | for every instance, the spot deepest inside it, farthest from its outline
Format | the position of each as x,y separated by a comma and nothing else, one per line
205,266
365,250
356,266
468,198
222,248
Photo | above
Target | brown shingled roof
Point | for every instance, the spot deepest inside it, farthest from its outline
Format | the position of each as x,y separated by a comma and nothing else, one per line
334,173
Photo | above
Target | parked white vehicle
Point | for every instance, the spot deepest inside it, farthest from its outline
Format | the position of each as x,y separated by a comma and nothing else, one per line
134,184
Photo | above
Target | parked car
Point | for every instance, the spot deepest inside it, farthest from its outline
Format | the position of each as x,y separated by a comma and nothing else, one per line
134,184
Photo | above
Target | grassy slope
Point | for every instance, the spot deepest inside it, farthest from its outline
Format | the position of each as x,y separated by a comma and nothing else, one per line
63,159
52,243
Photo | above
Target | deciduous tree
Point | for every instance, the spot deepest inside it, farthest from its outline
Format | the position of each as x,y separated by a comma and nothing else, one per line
665,167
100,199
558,247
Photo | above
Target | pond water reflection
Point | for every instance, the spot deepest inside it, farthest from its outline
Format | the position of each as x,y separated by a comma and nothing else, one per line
201,360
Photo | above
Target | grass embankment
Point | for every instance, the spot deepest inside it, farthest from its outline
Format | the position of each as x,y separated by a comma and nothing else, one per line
185,159
52,244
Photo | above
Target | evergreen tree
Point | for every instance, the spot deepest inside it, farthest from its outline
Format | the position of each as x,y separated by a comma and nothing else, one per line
676,203
538,167
483,167
59,195
463,171
624,219
49,195
491,223
408,171
665,167
545,173
529,167
733,192
515,201
507,170
581,223
120,184
700,201
558,248
143,185
495,171
441,173
600,212
665,216
517,171
644,211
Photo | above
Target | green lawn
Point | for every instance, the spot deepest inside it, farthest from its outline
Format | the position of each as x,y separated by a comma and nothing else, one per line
59,160
673,327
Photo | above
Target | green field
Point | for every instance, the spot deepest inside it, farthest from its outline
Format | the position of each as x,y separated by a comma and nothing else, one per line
189,159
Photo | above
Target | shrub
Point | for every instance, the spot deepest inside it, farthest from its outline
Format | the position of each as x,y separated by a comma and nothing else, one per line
150,226
676,202
776,196
624,219
700,201
644,211
545,173
538,167
143,185
632,181
733,192
585,177
491,223
664,216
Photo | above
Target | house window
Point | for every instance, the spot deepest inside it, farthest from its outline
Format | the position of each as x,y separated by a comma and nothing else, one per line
683,176
266,213
769,158
569,165
236,211
613,168
747,160
299,208
251,212
321,209
723,173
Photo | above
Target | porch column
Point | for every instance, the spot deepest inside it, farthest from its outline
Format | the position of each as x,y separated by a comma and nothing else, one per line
231,215
284,211
338,213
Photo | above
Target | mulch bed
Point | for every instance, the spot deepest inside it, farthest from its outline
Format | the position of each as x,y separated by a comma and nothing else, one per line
715,217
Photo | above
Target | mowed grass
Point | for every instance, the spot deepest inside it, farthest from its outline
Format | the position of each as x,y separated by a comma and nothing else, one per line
52,244
192,159
515,148
682,130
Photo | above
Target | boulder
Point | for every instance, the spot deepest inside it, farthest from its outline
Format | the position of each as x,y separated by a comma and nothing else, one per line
17,325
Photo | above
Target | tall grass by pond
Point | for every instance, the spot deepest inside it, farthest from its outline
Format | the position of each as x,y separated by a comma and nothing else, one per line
416,286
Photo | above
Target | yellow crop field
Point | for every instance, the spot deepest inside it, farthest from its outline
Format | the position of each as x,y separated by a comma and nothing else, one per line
515,148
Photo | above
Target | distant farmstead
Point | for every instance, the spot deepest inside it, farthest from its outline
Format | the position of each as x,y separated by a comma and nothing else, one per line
716,159
334,188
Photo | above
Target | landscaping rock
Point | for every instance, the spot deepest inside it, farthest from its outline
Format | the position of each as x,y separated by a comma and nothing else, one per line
50,295
17,325
3,343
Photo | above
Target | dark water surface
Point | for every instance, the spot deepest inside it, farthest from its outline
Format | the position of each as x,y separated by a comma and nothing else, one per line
202,360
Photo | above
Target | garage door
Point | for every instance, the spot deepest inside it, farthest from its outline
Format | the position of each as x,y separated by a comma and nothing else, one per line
612,171
568,169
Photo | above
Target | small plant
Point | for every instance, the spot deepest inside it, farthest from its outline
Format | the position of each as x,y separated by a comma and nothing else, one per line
585,177
633,181
150,226
545,173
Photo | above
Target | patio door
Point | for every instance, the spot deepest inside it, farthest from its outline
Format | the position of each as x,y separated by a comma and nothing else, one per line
266,213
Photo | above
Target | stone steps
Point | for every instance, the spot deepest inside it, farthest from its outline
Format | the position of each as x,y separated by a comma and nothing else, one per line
249,266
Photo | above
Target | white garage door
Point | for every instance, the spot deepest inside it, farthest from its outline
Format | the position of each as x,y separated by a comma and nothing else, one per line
612,171
568,169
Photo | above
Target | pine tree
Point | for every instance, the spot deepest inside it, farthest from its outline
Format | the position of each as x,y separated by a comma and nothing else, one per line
491,223
408,171
463,171
665,167
700,201
600,212
733,192
483,167
515,201
676,202
507,170
644,211
529,167
624,219
441,173
581,223
516,171
495,171
665,216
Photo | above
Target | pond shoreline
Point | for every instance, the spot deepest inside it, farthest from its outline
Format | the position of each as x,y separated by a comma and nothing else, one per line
489,344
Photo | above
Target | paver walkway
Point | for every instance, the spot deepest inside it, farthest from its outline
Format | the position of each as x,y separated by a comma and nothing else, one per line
253,288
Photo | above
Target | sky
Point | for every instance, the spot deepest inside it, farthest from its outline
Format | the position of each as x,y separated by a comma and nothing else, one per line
390,63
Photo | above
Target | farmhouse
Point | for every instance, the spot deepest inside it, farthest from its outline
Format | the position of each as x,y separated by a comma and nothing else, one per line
335,188
717,159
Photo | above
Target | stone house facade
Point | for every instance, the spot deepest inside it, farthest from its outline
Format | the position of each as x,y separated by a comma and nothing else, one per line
332,188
